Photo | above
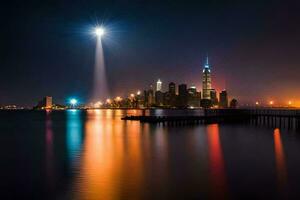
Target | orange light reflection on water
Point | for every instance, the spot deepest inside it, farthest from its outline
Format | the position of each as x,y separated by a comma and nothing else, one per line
111,159
280,160
216,163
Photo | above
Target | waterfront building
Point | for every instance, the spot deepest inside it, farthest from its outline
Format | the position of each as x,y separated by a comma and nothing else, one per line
206,103
206,81
158,85
182,96
167,99
139,99
45,103
159,98
172,88
149,98
213,97
223,99
172,98
192,90
194,97
233,103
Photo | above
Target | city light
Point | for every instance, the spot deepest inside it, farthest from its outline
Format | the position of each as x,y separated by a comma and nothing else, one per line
118,99
108,101
98,104
138,92
132,95
73,102
99,31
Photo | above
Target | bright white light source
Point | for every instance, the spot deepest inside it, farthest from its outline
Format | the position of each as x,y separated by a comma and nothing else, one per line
99,31
73,102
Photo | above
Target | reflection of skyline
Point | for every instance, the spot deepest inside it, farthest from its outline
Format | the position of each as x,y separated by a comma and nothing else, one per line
216,163
280,160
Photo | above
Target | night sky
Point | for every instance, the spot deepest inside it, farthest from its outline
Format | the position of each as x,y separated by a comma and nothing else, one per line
47,49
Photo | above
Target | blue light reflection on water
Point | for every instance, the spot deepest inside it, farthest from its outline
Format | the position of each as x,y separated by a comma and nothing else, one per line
74,134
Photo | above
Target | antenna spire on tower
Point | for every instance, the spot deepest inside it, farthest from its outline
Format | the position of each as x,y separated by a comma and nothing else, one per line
206,64
206,59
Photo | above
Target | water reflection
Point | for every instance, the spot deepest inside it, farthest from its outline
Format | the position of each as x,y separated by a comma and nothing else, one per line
133,165
280,160
216,163
49,151
74,134
98,164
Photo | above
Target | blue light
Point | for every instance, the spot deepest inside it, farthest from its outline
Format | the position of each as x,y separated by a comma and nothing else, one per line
73,101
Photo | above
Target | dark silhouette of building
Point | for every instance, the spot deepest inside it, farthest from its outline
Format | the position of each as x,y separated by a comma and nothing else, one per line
159,98
223,99
213,97
172,98
172,88
233,103
140,100
149,98
206,103
182,96
194,97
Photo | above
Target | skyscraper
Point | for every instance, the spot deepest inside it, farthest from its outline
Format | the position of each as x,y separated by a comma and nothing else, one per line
172,88
172,98
213,97
149,98
159,98
158,85
206,81
182,95
223,99
45,103
194,97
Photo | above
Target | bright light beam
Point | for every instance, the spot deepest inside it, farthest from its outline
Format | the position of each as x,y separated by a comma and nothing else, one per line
100,90
99,31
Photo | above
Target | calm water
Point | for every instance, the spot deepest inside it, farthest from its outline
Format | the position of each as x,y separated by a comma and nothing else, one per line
94,155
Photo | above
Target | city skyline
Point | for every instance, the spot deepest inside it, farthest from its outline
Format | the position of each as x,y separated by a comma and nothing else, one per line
118,99
249,49
172,95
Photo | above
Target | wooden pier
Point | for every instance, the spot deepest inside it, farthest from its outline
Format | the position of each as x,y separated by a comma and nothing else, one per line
280,118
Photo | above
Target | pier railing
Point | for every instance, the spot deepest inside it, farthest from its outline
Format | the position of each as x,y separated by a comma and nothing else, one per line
281,118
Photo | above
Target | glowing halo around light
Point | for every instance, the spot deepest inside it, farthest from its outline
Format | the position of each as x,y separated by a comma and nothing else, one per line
99,31
73,101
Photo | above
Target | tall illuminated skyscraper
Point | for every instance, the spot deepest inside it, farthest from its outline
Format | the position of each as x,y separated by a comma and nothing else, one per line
158,85
206,81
